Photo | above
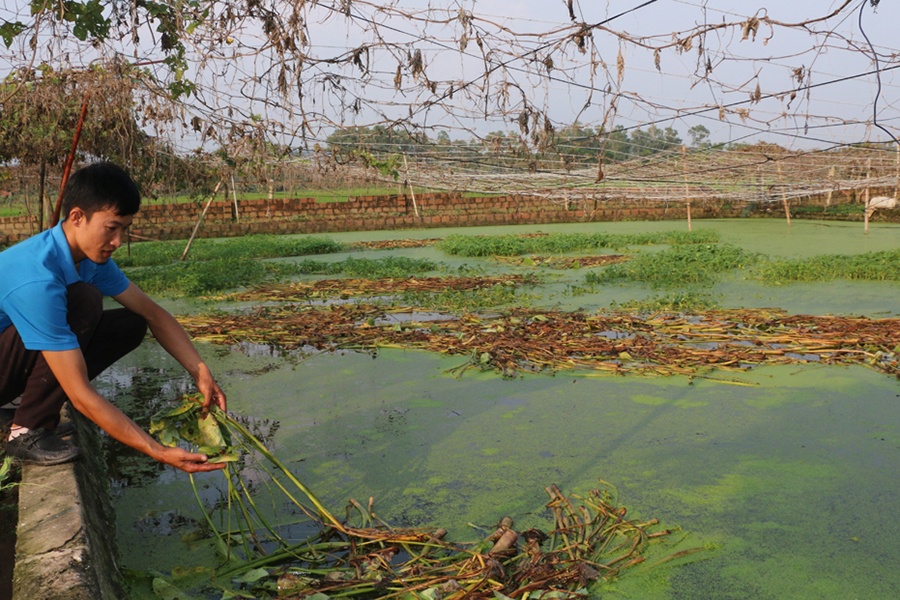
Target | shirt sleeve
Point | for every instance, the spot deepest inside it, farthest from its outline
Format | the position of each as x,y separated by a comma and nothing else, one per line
106,277
38,311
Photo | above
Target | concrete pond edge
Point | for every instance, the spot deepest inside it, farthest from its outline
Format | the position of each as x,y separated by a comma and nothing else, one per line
65,537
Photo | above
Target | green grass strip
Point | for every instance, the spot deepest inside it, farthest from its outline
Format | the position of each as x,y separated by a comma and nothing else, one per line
146,254
871,266
193,278
558,243
698,264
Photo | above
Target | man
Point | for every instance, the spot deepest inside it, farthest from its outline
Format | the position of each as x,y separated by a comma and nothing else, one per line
55,336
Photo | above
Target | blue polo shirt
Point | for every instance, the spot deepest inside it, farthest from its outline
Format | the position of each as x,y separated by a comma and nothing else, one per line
34,275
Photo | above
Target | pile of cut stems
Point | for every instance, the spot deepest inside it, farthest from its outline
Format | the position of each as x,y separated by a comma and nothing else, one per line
300,291
590,541
604,342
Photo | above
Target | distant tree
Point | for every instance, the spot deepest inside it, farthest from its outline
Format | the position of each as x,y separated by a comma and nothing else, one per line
699,136
654,140
375,140
39,114
578,143
617,145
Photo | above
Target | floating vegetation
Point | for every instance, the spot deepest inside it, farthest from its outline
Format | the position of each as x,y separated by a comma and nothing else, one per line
612,342
870,266
246,247
559,243
198,278
688,301
564,262
589,542
391,266
394,244
502,293
677,266
301,291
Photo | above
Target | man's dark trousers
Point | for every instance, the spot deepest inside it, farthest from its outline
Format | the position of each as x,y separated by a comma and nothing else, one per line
104,336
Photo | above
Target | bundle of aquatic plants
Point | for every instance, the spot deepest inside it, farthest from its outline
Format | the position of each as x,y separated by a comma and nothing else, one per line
589,541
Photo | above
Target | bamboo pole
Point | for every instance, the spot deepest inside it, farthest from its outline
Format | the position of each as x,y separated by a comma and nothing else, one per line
784,199
237,217
67,168
866,197
409,183
200,220
897,183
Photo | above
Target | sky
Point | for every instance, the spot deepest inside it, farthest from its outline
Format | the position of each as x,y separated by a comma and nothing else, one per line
800,87
676,94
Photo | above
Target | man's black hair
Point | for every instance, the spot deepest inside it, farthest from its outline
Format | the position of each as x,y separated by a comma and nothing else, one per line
100,186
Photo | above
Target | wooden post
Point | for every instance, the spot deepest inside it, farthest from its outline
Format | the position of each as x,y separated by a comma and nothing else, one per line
237,217
687,193
830,189
70,159
866,197
41,202
897,183
784,199
412,192
200,220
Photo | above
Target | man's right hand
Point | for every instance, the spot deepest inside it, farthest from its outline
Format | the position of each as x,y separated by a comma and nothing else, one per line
188,462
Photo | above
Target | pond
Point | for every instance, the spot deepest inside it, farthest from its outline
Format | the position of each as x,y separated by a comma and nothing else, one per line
787,475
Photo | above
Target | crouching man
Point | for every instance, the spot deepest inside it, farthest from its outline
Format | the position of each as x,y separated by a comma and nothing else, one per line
55,336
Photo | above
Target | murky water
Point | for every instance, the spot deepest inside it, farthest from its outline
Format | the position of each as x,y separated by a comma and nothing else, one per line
790,478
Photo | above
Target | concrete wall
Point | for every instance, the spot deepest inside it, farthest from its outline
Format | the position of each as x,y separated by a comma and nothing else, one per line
65,538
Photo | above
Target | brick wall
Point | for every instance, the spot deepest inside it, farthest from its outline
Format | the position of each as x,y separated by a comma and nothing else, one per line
367,213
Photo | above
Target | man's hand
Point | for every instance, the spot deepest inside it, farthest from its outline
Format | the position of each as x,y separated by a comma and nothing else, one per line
212,393
188,462
172,336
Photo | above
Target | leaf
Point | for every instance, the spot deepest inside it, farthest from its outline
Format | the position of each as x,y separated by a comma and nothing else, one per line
166,591
9,30
220,454
252,576
210,432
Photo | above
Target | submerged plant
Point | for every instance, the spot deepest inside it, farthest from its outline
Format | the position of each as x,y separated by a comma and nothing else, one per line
590,541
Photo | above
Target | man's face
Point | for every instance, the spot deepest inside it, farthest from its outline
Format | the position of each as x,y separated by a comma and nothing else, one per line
98,236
